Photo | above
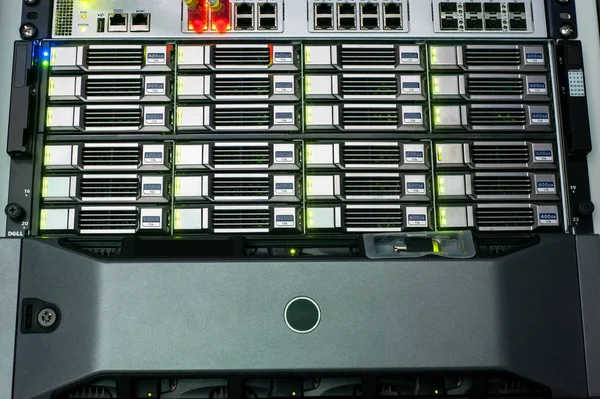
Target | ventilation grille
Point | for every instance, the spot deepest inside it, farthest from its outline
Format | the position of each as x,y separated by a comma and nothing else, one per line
373,218
63,19
370,116
107,117
225,117
241,155
242,86
246,56
225,186
372,186
110,156
480,57
502,185
371,155
516,116
505,217
495,86
369,86
113,87
108,219
92,187
90,392
368,56
494,155
241,219
114,57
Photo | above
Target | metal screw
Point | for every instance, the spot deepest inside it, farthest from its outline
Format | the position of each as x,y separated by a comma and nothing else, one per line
46,317
566,30
14,211
28,31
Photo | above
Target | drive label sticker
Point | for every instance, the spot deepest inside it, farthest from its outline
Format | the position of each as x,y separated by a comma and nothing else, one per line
155,119
411,87
413,117
409,57
544,155
539,88
284,57
285,221
151,222
153,157
284,87
284,117
415,188
152,189
414,157
548,218
284,156
546,187
284,188
417,220
540,117
534,58
155,88
156,58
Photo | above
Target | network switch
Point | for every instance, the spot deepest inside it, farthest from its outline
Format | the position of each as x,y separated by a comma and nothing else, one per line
492,17
352,16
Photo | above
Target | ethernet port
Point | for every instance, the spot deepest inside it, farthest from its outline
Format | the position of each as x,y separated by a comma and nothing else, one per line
516,7
369,13
393,23
369,9
140,23
392,9
491,7
267,9
267,23
449,23
347,23
244,16
473,7
267,16
448,7
117,22
518,24
323,9
347,8
493,24
324,23
473,24
346,16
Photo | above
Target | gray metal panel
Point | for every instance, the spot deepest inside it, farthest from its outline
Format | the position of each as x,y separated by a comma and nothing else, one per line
520,313
10,250
588,253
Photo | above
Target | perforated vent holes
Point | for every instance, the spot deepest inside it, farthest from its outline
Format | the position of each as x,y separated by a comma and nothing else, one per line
63,18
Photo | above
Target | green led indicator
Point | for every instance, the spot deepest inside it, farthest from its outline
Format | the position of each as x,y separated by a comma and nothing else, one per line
45,63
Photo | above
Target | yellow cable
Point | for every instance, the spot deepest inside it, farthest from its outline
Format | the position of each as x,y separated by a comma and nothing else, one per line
215,5
191,4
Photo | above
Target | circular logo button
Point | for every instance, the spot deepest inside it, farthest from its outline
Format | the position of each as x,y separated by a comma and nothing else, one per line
302,315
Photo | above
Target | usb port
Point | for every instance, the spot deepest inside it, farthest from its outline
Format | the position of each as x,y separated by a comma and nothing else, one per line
117,22
244,16
140,23
101,25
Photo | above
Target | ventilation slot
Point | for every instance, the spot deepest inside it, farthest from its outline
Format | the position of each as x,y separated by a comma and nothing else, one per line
241,155
497,117
225,117
107,117
373,218
241,219
494,155
246,56
495,86
110,156
371,155
114,57
90,392
109,188
502,185
505,217
372,186
369,86
108,219
240,187
370,116
113,87
370,55
242,86
63,18
480,57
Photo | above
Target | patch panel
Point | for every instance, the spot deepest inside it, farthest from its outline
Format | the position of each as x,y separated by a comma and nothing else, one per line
353,16
499,16
363,218
366,117
365,86
101,188
361,186
499,217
